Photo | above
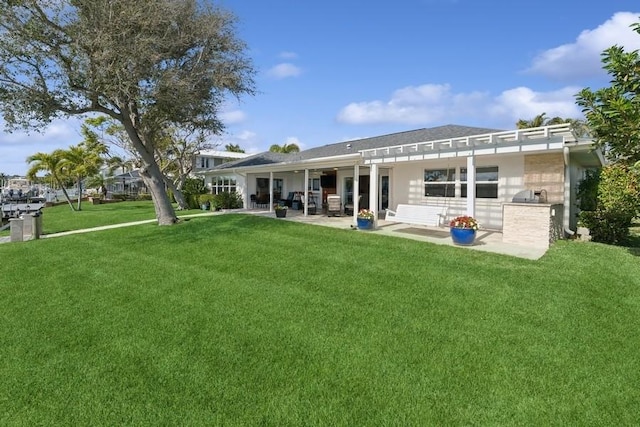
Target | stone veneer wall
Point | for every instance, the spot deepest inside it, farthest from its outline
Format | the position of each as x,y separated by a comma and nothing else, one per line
531,224
545,172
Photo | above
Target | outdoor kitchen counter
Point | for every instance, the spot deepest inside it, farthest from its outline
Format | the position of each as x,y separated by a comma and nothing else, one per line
531,224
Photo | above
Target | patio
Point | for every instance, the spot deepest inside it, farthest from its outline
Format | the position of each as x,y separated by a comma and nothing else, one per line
486,240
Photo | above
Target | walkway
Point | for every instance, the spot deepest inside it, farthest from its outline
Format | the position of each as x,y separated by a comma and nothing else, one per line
486,240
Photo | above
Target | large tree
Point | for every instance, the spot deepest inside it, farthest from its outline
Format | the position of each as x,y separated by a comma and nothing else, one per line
53,164
613,113
146,64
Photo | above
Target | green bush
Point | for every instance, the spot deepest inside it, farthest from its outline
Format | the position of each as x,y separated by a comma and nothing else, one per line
588,191
619,189
607,226
227,200
191,190
617,204
206,199
143,196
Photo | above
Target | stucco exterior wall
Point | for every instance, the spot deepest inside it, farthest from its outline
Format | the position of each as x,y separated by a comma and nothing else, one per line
545,172
407,186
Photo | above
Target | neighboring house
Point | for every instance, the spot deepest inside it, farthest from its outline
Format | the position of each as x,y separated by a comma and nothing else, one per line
130,183
470,170
208,159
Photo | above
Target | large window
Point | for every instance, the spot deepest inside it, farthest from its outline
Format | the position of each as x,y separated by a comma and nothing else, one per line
440,182
220,184
486,182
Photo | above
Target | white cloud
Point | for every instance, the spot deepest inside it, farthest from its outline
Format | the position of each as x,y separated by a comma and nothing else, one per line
19,145
413,105
582,58
525,103
432,104
230,117
288,55
284,70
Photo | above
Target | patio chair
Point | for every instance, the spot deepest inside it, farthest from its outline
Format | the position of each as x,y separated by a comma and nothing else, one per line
334,206
348,208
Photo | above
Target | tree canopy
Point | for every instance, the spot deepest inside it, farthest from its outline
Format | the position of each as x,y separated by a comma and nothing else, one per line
613,113
148,65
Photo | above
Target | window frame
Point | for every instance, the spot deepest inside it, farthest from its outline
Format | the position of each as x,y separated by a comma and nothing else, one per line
481,184
440,178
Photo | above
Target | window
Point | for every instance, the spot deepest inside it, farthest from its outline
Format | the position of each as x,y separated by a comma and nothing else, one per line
440,182
277,188
203,162
314,184
486,182
221,184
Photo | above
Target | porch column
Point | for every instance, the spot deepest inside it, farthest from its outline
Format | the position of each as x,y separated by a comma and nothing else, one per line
306,192
566,219
373,192
356,192
471,186
270,191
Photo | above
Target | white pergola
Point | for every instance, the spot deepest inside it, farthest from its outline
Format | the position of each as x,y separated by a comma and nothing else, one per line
544,138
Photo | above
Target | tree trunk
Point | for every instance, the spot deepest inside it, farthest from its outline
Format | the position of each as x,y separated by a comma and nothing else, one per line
79,185
150,172
154,180
66,195
177,194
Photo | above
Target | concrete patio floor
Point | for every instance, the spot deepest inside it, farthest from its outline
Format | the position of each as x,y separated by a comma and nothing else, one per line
486,240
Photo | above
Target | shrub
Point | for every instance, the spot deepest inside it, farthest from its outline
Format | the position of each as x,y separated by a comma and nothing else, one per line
607,226
205,199
588,191
619,189
143,196
226,200
191,189
617,204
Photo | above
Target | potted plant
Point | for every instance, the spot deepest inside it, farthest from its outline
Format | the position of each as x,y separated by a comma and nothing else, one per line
463,230
365,219
281,211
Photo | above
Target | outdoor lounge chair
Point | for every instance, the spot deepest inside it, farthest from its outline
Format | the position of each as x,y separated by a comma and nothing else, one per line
334,206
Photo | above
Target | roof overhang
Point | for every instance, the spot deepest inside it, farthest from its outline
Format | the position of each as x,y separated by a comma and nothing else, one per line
545,138
318,163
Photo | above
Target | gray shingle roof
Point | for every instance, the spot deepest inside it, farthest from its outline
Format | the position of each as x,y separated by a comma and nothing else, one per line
351,147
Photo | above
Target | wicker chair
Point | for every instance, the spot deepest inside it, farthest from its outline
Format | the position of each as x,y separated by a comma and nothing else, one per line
334,206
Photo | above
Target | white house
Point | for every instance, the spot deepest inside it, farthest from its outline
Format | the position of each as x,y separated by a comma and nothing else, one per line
208,159
470,170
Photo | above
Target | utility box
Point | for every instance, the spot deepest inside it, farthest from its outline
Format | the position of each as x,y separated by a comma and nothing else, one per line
27,227
17,227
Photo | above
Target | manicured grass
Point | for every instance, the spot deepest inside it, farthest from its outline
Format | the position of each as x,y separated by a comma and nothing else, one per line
62,218
245,320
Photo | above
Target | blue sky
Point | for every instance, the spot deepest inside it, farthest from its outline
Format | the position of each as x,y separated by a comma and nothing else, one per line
333,70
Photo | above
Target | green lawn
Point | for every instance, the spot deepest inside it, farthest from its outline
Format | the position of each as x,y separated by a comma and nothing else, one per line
244,320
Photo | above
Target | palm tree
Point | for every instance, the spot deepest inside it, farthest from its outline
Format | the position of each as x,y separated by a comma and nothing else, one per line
578,126
80,162
234,148
538,121
284,148
52,163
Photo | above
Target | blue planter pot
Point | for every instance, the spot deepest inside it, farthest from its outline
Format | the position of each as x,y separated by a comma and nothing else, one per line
463,236
365,224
